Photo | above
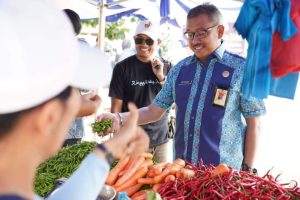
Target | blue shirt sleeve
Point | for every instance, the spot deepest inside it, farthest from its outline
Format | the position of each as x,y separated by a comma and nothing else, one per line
252,107
164,99
86,182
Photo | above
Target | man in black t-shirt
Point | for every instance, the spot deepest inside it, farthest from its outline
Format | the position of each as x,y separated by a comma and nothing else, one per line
138,79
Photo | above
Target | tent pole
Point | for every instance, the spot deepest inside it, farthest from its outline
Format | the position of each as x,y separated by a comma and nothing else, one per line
101,32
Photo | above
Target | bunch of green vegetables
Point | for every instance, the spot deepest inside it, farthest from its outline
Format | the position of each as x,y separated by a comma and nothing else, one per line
152,195
63,164
102,128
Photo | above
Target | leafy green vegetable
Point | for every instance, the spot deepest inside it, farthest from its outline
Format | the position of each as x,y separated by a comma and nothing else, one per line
145,187
152,195
103,127
114,163
63,164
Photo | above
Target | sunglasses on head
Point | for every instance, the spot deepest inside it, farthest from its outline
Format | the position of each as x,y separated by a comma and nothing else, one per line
148,41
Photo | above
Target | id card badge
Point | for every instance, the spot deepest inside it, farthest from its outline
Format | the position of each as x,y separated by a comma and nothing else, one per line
220,96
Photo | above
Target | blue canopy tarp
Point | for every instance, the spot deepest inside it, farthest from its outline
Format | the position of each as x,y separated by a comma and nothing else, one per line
163,11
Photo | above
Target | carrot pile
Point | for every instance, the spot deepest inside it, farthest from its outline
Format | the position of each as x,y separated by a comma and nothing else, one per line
221,182
131,173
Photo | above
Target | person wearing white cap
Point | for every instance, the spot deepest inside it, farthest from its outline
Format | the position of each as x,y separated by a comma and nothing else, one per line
39,72
138,79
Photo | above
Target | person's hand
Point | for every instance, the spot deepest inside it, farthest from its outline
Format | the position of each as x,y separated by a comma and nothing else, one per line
131,140
90,102
115,120
157,68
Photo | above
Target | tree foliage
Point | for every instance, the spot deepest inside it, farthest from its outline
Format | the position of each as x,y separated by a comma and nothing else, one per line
113,30
116,30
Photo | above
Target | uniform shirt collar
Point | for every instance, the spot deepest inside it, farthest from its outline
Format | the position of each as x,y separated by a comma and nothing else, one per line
219,52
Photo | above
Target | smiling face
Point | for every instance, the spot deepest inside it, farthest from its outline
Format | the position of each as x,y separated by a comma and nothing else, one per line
145,52
204,46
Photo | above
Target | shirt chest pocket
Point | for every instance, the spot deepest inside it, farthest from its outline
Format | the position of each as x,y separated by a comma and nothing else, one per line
183,90
184,84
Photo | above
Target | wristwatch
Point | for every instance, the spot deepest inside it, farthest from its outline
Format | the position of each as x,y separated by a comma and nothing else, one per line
120,119
108,156
246,167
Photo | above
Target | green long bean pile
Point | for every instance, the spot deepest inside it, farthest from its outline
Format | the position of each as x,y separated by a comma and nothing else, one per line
61,165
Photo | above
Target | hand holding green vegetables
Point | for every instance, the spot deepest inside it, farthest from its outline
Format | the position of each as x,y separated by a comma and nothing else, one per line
102,128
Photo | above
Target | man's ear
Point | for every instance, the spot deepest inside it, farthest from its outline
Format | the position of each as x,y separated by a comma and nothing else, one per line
49,116
221,30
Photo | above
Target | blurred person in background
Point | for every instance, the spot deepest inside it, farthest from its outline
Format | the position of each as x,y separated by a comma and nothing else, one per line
76,23
126,50
90,102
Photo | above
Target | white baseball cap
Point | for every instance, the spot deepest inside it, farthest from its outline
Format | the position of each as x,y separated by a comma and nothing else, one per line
40,56
148,28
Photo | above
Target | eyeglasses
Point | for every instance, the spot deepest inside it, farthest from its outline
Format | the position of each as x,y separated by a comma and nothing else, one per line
202,33
148,41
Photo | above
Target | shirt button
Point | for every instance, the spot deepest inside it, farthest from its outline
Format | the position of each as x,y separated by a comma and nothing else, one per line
191,135
193,117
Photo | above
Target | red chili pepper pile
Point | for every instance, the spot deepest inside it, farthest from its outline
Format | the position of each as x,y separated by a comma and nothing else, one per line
232,185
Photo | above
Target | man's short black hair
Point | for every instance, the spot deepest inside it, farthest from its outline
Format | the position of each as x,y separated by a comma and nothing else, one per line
75,19
208,9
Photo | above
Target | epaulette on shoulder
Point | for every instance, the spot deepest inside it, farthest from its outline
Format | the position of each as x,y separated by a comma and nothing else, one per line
188,59
234,55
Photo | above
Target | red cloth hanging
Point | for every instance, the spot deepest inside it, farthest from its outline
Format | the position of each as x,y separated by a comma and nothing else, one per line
285,56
